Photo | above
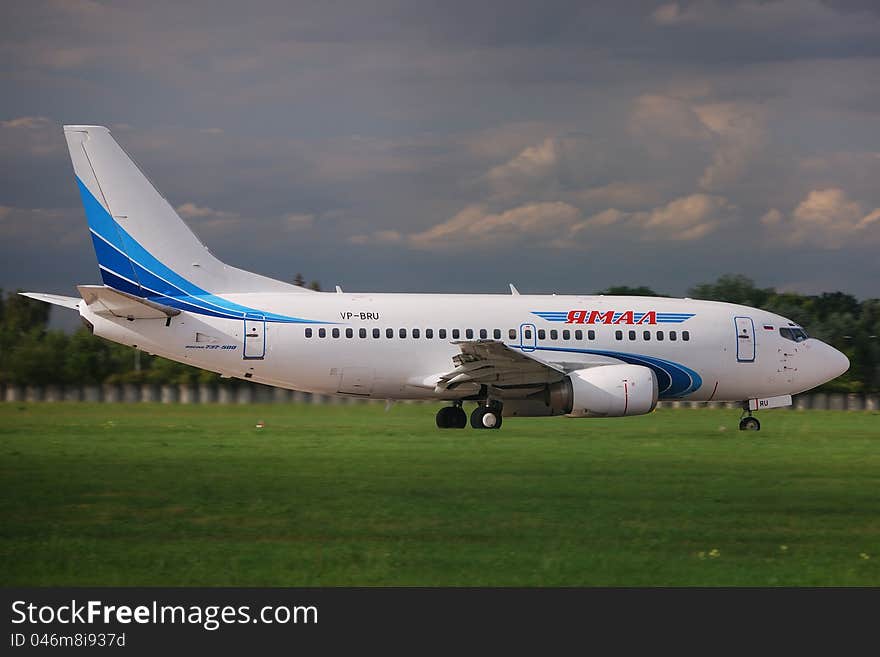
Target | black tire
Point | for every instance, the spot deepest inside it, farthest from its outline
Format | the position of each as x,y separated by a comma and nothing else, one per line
458,418
484,417
444,418
749,424
477,417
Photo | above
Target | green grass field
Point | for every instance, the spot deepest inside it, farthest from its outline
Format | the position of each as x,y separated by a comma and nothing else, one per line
352,495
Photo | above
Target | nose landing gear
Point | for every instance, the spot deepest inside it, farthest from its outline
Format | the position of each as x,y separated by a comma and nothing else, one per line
749,423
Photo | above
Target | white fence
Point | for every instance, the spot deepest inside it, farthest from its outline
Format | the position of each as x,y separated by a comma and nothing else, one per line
252,393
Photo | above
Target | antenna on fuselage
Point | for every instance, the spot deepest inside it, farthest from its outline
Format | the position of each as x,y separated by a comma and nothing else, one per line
513,289
338,290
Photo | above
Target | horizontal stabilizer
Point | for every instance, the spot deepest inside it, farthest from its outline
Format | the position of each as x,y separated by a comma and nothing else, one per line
55,299
109,302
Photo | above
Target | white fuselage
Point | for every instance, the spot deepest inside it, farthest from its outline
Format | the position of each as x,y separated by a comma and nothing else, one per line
720,351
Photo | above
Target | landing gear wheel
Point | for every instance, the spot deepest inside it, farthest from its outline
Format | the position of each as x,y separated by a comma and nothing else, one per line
451,417
486,417
749,424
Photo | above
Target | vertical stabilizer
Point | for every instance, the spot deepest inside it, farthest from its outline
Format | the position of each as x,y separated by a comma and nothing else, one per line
143,247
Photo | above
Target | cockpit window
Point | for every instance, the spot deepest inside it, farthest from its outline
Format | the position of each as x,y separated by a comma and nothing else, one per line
793,334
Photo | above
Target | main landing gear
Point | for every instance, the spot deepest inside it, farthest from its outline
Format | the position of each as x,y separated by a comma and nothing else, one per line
485,416
452,417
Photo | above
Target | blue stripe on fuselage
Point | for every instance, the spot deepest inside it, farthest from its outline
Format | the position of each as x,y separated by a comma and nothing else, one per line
674,380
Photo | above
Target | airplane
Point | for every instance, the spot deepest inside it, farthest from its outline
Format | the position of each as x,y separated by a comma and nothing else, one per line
514,355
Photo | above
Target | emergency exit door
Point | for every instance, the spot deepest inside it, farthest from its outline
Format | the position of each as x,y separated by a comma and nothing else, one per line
254,337
745,339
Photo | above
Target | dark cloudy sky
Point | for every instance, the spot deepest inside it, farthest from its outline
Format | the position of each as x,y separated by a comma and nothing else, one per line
456,146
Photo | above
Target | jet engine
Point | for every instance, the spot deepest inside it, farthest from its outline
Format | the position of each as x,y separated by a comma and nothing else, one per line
604,391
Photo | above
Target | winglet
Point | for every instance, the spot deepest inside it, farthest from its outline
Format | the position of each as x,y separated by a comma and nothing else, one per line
513,289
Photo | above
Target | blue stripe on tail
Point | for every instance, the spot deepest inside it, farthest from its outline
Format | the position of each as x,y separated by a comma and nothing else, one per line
129,267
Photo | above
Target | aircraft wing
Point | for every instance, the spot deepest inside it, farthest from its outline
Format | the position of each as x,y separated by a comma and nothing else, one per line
490,362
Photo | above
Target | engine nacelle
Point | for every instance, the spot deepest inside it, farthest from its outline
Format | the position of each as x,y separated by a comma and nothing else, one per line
605,391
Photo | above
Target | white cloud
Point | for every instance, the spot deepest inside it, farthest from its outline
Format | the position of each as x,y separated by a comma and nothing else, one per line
27,123
209,220
733,132
477,227
667,14
561,225
35,135
738,131
660,117
296,221
193,211
533,164
772,218
826,218
683,219
687,218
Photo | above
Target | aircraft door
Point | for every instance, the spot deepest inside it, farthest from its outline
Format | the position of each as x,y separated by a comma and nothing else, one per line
745,339
528,337
254,337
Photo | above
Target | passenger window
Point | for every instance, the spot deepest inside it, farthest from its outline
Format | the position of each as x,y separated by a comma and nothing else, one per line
389,333
362,332
685,335
566,335
322,333
673,336
469,334
528,334
496,334
646,335
335,333
349,333
591,334
511,334
456,334
308,332
483,334
632,335
402,333
578,334
376,333
618,335
554,334
416,333
441,334
542,334
660,336
429,333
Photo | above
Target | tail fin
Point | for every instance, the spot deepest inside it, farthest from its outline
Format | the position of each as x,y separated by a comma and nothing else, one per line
143,247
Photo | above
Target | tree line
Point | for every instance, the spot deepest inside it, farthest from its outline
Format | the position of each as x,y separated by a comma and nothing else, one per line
31,353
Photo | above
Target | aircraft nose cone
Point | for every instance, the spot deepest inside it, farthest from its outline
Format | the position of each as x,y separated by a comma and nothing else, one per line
831,363
838,363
